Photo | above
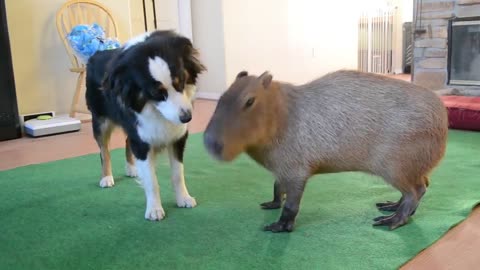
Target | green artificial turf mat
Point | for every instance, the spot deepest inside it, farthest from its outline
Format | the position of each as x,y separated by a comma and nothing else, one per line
54,216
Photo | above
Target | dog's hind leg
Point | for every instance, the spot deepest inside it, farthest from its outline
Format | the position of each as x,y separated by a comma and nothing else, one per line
175,153
130,169
102,130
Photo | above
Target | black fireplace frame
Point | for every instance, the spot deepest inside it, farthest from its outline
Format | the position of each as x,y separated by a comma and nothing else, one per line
449,45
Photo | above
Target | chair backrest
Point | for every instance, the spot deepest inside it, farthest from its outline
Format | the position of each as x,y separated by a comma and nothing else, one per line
76,12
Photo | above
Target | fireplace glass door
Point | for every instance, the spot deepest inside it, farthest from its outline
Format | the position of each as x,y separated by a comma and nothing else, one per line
464,42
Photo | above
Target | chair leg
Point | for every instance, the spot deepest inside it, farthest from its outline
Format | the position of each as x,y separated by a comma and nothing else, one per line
78,90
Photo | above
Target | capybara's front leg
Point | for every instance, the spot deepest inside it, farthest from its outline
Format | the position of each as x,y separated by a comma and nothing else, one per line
294,190
278,196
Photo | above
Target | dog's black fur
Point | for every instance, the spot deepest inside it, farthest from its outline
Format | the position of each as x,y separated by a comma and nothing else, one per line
119,85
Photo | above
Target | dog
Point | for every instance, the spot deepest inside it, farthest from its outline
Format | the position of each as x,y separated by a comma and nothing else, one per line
147,88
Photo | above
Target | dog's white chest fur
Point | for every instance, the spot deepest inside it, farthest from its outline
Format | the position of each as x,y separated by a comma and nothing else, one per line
155,130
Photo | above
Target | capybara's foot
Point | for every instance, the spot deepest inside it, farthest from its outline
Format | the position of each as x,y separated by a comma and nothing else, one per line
271,205
388,206
280,226
393,221
404,209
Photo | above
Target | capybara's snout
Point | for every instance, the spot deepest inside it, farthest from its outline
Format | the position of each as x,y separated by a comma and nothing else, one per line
213,144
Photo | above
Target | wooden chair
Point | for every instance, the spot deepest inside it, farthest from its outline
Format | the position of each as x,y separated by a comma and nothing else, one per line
76,12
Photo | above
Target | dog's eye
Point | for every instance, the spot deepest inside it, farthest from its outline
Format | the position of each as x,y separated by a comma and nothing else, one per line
176,80
159,94
249,102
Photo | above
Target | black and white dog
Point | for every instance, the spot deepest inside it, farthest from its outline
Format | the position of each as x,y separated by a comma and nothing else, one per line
147,88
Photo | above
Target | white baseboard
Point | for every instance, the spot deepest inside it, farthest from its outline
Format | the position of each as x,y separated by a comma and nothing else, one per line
398,71
208,95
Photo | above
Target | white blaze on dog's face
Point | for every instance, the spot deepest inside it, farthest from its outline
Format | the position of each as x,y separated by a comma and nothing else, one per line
177,108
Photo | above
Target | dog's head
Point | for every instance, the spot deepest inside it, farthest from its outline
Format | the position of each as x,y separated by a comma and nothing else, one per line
160,68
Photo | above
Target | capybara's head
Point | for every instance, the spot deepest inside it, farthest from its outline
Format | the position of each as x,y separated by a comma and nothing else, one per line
245,116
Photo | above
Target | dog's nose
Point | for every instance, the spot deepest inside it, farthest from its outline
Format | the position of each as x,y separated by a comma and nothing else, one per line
213,145
185,116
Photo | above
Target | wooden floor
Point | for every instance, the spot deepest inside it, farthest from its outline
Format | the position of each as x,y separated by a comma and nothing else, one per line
459,249
26,151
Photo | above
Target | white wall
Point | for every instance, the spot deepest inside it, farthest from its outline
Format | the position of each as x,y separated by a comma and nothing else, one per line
137,25
407,14
256,37
208,37
323,37
167,14
296,40
171,15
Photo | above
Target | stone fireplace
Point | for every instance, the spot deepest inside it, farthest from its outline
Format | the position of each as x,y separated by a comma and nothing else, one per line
447,44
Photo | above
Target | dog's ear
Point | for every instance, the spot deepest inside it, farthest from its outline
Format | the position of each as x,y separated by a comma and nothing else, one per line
181,42
118,79
112,80
192,64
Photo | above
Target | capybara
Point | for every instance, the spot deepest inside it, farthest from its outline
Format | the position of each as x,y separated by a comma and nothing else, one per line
343,121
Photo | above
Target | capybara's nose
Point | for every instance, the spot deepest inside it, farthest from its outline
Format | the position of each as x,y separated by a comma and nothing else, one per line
185,116
213,145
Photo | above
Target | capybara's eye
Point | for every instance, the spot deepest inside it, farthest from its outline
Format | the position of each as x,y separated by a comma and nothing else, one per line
249,102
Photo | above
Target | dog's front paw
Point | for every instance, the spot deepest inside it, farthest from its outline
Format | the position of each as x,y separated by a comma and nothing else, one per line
186,201
107,182
155,212
130,170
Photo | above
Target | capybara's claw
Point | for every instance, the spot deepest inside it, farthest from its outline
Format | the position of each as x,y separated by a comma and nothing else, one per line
381,219
393,221
388,206
271,205
280,226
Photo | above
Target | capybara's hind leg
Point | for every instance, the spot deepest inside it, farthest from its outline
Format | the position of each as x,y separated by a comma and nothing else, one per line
406,208
393,206
422,191
389,205
278,195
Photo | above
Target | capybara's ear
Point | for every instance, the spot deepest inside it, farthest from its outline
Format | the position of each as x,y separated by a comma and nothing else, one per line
242,74
266,79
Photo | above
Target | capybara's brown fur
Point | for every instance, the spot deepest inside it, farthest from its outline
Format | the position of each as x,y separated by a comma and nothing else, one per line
343,121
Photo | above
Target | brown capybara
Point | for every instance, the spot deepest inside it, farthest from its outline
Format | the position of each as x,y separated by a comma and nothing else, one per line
343,121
